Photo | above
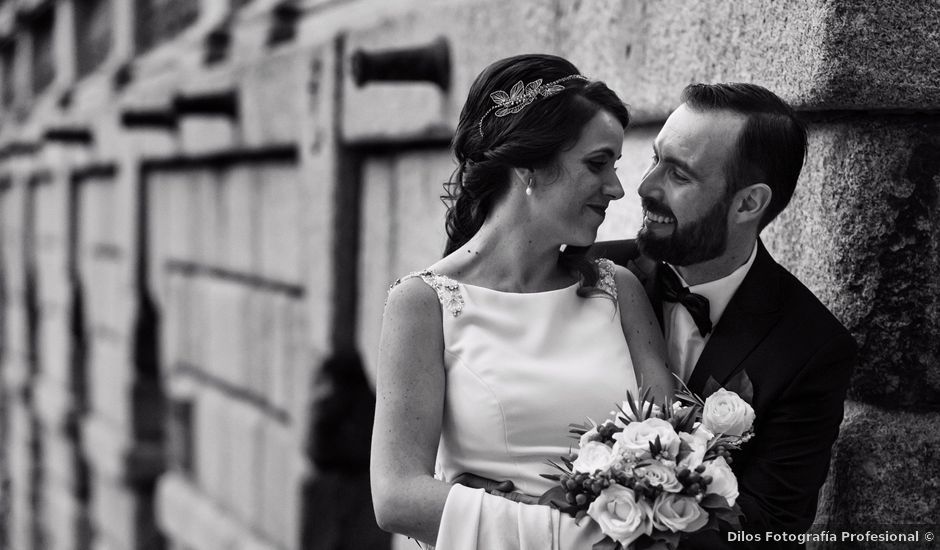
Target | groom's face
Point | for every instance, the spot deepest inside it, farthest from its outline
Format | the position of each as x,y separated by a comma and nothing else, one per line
685,190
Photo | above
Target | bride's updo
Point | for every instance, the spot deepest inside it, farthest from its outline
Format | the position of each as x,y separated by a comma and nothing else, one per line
487,146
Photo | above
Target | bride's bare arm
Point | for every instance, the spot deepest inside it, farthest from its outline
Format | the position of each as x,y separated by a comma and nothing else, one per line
643,335
409,405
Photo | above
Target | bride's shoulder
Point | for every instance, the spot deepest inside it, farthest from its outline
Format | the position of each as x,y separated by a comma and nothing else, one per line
425,290
621,279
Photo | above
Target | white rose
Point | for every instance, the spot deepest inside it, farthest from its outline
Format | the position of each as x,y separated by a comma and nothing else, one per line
723,483
678,513
660,475
592,457
620,516
637,436
589,436
725,412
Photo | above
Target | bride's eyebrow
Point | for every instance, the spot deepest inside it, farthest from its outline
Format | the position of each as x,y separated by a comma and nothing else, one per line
606,150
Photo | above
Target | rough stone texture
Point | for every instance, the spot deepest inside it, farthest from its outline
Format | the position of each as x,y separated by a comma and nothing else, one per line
818,54
883,473
838,54
862,233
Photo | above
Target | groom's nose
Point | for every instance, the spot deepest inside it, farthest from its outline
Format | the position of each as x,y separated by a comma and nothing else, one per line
650,185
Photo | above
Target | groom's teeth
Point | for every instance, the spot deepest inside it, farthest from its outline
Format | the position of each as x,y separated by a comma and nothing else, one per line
659,219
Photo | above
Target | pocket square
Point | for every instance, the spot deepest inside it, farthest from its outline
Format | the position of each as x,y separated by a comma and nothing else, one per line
739,384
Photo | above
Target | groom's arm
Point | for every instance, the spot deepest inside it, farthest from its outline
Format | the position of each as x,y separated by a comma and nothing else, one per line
781,470
780,480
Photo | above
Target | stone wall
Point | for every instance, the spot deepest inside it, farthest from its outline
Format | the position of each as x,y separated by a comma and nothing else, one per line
201,210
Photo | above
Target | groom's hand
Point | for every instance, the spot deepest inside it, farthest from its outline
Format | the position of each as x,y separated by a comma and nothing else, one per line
496,488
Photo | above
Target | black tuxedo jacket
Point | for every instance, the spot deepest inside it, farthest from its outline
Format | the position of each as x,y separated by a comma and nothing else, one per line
799,359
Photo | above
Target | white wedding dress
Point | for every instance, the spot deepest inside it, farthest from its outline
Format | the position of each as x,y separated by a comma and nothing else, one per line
519,369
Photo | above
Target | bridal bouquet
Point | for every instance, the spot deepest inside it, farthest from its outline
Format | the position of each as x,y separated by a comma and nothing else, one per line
652,473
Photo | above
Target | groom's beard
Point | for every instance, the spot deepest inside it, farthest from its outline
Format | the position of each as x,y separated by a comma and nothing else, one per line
696,242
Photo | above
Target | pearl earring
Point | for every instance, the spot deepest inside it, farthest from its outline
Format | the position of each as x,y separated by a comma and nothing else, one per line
528,189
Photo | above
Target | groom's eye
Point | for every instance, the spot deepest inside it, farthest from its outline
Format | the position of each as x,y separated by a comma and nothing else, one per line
679,176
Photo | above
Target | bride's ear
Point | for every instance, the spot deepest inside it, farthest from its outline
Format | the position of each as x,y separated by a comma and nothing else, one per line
524,175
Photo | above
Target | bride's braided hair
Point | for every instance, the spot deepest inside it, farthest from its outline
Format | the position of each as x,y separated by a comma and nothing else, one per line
487,148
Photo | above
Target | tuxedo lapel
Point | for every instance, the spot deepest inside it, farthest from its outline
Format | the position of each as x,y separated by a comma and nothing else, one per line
752,312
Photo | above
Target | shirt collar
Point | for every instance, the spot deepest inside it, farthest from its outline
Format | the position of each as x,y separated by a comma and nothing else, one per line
720,291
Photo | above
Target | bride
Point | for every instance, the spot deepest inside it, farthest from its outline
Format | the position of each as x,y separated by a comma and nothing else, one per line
487,355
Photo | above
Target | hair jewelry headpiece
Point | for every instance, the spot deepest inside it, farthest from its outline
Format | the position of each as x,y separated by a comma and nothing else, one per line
521,95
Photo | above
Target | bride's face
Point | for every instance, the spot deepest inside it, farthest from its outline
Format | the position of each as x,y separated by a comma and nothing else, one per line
574,203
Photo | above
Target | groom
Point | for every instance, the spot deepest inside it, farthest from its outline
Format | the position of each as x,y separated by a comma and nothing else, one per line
724,165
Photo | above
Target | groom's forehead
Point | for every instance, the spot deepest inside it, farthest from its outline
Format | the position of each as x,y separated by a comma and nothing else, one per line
692,131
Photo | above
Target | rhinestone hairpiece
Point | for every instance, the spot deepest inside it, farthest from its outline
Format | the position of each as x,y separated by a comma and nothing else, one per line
522,95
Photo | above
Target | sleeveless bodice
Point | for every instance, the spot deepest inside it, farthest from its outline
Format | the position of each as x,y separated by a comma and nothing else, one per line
519,369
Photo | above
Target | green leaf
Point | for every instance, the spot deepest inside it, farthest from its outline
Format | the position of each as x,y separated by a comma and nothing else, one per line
552,477
712,524
636,413
562,469
606,543
667,539
555,497
713,500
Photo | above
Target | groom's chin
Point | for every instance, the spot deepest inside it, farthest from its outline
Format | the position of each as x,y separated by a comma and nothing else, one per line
649,246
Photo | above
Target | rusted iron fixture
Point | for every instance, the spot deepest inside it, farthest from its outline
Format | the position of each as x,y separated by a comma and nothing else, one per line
428,63
284,19
217,44
73,135
216,103
16,148
149,118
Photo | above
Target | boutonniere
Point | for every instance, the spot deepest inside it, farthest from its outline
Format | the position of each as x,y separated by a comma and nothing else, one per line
739,384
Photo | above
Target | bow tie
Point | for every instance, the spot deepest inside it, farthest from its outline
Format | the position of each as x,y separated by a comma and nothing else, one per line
696,304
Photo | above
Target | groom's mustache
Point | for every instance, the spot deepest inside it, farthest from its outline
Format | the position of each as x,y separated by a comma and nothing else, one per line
656,207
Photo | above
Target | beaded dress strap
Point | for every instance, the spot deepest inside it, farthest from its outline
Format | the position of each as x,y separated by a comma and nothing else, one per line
606,281
448,292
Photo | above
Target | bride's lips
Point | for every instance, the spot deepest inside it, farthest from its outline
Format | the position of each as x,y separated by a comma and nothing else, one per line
601,210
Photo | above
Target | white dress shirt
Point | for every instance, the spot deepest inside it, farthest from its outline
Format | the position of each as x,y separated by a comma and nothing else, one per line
684,342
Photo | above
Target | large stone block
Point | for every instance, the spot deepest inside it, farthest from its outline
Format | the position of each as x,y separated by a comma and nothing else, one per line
241,215
272,98
55,343
225,300
820,54
247,483
190,520
867,204
213,443
53,404
883,472
279,230
109,373
281,474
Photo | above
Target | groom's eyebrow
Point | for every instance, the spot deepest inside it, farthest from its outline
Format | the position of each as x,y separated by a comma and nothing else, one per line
677,162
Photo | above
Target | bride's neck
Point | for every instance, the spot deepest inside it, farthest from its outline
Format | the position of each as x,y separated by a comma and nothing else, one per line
511,256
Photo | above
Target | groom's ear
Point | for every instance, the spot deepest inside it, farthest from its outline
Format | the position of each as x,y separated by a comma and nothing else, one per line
751,202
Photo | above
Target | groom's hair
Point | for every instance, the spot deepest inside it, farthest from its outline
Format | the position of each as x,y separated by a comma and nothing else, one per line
771,146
